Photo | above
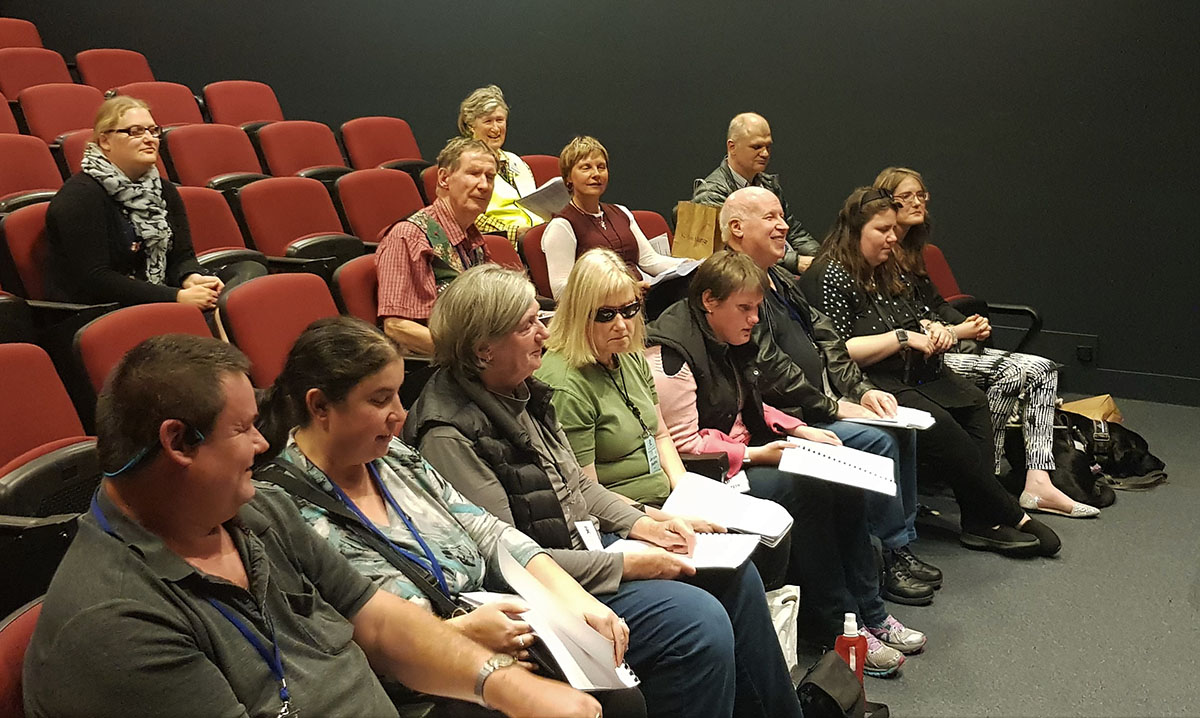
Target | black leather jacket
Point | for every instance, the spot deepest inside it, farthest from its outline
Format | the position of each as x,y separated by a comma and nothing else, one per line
713,189
845,377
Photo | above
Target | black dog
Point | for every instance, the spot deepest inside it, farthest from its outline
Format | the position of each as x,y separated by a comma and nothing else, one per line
1120,452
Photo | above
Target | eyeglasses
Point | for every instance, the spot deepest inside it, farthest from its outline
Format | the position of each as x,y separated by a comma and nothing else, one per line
135,132
604,315
906,197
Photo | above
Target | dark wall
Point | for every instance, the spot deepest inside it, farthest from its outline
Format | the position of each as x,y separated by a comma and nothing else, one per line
1056,138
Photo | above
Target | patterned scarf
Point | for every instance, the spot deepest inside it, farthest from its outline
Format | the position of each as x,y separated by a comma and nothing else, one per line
143,203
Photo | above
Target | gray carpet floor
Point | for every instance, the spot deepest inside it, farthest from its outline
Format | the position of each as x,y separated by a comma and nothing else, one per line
1108,628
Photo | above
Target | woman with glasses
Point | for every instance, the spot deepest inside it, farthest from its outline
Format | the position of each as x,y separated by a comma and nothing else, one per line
117,230
1005,376
856,281
487,425
587,223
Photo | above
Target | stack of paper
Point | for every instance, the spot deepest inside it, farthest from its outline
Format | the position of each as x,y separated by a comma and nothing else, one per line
840,464
700,496
906,418
683,269
585,656
711,551
548,199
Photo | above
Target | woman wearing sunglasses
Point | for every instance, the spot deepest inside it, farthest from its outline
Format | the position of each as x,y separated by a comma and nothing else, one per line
487,425
1005,376
117,230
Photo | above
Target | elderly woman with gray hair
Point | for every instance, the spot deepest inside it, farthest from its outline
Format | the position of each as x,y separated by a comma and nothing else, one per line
484,116
488,426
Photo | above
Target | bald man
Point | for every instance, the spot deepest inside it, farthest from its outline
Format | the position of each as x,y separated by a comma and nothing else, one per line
748,151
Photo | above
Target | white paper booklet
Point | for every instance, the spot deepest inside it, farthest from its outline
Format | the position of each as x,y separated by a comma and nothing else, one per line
548,199
585,656
683,269
906,418
661,244
711,551
700,496
840,464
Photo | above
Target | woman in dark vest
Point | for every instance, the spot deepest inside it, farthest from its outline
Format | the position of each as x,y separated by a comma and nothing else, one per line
857,283
488,426
587,223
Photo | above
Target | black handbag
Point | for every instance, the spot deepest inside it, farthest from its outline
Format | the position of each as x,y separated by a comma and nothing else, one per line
831,690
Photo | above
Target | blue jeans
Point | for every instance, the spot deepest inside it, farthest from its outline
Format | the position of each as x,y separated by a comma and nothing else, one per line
705,655
892,518
832,559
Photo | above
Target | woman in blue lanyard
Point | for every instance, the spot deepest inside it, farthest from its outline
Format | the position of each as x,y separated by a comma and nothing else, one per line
334,412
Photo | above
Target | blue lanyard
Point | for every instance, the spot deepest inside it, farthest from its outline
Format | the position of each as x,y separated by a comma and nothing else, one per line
273,658
433,566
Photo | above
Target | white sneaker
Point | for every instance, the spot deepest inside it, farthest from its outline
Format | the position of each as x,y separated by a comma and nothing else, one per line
895,635
882,661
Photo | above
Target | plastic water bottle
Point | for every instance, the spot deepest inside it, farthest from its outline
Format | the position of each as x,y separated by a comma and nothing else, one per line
852,646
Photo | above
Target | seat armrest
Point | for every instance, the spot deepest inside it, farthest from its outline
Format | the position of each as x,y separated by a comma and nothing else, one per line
1020,310
327,174
411,166
714,465
233,181
14,202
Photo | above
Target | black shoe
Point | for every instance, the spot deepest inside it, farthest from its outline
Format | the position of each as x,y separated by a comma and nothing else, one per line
923,572
1002,539
1048,541
899,586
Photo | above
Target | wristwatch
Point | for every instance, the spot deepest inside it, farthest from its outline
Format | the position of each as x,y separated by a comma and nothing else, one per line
490,666
902,337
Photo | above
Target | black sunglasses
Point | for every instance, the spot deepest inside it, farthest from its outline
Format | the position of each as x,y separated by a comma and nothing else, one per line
604,315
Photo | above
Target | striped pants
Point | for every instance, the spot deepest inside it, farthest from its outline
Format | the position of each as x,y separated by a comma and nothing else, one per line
1005,376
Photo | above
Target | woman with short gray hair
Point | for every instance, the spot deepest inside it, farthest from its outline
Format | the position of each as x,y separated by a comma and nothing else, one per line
483,422
484,116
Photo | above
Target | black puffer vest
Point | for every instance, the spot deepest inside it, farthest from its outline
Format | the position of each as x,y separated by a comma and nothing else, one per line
450,399
729,375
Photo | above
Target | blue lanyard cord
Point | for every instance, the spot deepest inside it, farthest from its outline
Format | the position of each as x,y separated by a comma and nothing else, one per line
273,658
432,566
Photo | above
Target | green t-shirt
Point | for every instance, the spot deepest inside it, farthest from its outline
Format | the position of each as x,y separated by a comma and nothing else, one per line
602,429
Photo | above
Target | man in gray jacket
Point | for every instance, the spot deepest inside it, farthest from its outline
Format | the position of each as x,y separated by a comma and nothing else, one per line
748,151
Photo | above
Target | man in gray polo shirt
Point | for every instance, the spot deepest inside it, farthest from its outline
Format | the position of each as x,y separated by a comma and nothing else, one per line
185,593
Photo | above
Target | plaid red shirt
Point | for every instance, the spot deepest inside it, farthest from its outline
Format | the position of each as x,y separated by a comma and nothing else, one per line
407,288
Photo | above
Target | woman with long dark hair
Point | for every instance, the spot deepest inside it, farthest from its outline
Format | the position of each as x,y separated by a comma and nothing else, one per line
864,294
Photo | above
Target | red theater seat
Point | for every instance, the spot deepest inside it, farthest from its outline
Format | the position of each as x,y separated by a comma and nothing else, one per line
15,32
355,285
171,103
22,67
101,343
105,68
58,108
264,317
242,103
28,173
373,199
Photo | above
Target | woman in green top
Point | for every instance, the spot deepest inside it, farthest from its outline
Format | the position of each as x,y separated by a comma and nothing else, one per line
603,389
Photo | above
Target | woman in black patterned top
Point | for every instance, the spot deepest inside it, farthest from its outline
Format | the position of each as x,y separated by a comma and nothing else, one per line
854,283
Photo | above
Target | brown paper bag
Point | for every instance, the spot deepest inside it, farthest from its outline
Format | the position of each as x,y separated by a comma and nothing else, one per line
1101,408
697,231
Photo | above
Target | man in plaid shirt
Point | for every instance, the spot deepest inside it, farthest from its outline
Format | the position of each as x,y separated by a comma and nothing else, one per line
421,254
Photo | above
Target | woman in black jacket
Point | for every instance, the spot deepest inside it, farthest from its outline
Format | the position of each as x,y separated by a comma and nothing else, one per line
854,283
117,230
